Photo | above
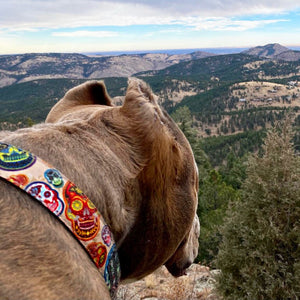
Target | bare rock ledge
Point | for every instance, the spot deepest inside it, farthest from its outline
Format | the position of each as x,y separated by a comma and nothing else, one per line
161,285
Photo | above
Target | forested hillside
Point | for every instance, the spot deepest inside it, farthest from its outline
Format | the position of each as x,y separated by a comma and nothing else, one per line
31,101
238,95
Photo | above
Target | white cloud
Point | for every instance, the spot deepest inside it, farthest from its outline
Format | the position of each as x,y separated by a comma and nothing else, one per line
86,33
227,24
31,14
62,25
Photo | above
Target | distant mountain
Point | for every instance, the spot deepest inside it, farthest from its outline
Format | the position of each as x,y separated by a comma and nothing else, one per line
269,51
225,93
274,51
222,67
290,55
27,67
229,68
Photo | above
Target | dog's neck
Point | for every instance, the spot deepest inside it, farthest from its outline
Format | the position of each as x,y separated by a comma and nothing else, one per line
67,202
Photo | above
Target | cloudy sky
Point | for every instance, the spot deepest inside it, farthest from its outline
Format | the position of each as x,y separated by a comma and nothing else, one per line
95,26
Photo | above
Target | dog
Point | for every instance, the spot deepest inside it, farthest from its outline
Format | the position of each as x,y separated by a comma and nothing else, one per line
136,166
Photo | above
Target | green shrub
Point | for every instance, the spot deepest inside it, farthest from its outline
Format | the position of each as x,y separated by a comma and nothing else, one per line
259,256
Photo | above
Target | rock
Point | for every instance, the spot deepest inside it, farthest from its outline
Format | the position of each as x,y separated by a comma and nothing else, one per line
161,285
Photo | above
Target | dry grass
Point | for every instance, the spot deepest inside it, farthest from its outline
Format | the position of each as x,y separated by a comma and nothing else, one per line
257,93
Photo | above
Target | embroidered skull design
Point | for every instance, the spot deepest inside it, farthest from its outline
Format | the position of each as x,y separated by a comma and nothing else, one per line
13,158
81,212
106,235
53,177
45,194
20,180
98,253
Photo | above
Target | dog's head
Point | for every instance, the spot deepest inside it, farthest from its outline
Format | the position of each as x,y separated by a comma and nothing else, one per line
161,196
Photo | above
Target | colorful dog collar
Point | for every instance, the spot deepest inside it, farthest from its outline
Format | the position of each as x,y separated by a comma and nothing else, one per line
64,199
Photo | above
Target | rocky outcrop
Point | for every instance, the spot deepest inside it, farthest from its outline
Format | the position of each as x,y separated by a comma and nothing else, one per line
197,284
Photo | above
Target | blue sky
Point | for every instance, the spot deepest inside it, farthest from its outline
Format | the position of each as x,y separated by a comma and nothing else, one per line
101,26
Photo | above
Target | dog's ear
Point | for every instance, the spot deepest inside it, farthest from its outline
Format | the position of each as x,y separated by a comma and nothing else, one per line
141,104
91,92
152,135
88,93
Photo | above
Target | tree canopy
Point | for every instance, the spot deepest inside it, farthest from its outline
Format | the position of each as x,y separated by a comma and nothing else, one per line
259,256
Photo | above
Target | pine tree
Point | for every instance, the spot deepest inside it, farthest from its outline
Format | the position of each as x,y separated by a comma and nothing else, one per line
214,196
183,117
259,256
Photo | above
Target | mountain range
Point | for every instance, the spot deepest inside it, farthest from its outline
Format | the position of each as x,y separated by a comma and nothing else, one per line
231,99
27,67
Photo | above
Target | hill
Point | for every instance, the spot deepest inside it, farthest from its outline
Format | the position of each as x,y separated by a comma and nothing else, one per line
222,67
28,67
236,95
230,67
33,100
208,86
268,51
274,51
289,55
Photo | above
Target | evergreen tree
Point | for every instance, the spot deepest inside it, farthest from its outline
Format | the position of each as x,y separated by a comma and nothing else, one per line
259,256
214,196
183,117
29,122
233,170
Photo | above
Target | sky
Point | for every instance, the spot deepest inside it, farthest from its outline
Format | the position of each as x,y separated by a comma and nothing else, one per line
82,26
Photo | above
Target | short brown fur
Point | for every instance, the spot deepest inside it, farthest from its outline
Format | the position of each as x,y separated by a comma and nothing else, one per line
135,165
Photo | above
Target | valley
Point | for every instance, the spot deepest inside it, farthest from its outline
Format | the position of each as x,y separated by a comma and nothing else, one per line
231,94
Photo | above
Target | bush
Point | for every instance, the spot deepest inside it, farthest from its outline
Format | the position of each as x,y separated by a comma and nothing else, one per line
259,256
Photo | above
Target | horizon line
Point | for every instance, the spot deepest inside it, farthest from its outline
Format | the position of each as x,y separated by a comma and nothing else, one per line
218,50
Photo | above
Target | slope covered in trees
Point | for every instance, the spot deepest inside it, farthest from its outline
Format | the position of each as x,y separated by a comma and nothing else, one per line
259,256
222,162
34,99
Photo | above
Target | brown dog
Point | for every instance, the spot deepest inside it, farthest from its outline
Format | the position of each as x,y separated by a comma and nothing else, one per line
136,166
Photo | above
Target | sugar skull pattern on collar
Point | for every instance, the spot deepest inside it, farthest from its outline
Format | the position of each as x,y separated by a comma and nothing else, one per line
65,200
81,212
13,158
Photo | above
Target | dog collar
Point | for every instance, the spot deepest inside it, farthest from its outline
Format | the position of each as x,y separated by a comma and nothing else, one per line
66,201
